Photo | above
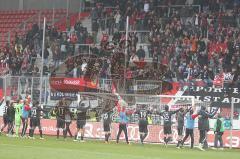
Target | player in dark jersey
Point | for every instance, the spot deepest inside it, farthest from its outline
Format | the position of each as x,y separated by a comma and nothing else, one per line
11,118
5,115
180,124
143,114
167,123
203,125
35,119
107,119
60,111
81,120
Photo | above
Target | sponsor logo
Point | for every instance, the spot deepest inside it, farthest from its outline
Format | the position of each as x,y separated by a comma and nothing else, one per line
71,82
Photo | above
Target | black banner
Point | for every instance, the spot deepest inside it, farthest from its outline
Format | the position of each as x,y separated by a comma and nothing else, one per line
218,96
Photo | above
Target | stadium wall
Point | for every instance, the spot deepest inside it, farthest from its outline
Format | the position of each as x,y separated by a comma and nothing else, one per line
94,130
74,5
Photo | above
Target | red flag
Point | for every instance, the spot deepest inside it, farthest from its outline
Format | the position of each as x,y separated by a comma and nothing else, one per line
140,64
218,80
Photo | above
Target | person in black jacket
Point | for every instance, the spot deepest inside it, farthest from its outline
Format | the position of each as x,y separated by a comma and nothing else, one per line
203,126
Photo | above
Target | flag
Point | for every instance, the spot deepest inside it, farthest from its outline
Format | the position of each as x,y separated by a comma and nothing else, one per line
218,80
228,77
140,64
121,102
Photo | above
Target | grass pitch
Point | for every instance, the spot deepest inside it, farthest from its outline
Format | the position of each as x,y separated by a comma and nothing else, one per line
17,148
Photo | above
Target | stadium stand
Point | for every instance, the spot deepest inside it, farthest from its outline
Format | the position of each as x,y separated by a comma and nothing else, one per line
195,42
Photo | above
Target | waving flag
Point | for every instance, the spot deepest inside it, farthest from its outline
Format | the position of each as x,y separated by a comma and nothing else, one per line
218,80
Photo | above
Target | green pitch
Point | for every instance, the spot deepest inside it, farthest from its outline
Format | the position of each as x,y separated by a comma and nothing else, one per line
16,148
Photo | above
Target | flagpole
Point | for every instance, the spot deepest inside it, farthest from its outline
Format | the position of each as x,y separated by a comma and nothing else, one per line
41,69
81,8
231,128
126,54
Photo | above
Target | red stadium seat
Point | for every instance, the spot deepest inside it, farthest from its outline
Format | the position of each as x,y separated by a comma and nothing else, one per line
11,19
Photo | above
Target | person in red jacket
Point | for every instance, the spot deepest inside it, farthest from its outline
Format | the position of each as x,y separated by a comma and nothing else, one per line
25,114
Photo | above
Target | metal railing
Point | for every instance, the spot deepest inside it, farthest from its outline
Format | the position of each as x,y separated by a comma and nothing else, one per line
22,28
169,9
22,86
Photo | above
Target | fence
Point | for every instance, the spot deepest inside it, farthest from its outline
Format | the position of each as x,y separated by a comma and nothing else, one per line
15,86
22,86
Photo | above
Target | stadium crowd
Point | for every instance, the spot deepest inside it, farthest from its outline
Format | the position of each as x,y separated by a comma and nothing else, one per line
183,44
193,44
